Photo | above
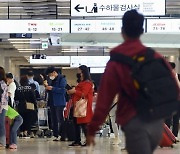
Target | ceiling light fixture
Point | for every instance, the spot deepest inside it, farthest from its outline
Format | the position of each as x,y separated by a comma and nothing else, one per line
20,42
25,51
30,49
23,39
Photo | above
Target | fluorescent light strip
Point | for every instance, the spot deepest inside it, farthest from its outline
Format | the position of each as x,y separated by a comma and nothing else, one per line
20,42
74,51
26,51
30,49
23,39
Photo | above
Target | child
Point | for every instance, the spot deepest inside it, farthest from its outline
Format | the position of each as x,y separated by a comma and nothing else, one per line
17,121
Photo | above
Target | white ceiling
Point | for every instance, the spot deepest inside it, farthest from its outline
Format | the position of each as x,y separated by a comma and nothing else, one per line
56,9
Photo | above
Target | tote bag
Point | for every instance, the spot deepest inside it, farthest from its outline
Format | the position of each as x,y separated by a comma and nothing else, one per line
80,108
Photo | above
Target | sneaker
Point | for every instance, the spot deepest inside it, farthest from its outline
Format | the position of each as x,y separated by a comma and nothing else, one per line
56,138
77,144
116,141
84,144
32,135
62,139
13,146
177,140
2,147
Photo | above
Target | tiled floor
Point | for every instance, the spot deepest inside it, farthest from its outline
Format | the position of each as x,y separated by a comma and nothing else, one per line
103,146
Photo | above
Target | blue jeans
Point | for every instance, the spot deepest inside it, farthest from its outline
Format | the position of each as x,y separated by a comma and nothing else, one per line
2,128
14,128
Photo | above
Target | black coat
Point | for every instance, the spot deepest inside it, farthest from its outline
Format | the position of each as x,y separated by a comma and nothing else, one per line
24,94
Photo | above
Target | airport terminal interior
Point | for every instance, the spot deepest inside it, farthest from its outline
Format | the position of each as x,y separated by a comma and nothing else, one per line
36,34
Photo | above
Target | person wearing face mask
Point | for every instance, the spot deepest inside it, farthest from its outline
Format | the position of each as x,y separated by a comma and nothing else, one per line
30,76
57,101
84,89
11,88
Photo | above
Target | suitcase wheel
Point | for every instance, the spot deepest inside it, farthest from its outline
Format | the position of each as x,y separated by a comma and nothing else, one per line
40,133
172,146
48,133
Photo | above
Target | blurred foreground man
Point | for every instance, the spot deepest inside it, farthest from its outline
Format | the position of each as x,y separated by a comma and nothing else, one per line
142,137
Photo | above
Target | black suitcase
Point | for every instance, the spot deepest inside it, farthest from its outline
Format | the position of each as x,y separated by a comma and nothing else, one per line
70,130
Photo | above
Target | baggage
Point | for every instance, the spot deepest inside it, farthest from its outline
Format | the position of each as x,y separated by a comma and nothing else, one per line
153,80
8,130
70,130
168,138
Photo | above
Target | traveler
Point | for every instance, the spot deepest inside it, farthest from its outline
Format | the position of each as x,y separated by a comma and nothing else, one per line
174,120
26,106
11,88
57,101
30,76
112,115
142,137
83,89
3,107
17,121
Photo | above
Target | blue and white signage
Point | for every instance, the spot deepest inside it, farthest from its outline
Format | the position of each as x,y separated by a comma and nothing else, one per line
116,7
163,26
96,26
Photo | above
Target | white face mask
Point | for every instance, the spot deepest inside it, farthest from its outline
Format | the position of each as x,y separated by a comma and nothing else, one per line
52,77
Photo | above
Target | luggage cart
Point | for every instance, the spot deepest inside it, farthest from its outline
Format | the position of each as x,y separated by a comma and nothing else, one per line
43,123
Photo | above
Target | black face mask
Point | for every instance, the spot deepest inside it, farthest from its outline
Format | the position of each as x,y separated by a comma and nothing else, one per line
78,75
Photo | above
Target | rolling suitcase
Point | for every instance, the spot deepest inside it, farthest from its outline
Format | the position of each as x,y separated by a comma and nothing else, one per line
168,138
8,130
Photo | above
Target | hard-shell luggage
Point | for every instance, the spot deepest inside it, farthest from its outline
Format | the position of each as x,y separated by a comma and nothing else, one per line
168,138
8,130
70,130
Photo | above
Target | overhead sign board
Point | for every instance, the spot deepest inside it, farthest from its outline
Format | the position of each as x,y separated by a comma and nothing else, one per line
163,26
90,61
21,35
96,26
62,60
116,7
34,26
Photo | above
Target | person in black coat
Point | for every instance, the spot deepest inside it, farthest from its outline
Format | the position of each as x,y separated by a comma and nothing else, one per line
24,94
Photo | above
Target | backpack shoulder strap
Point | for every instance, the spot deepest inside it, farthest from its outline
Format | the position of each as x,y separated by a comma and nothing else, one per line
149,54
121,58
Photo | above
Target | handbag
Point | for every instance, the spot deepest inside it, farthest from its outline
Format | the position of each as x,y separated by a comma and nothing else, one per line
30,106
80,108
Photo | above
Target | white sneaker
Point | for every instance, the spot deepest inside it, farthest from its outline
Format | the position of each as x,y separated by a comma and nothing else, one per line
177,139
116,141
56,138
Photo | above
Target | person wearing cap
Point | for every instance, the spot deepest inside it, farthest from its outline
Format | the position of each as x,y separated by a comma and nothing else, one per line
57,101
30,76
11,88
142,137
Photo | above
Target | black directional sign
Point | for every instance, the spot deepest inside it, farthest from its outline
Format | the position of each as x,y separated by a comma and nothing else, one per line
77,8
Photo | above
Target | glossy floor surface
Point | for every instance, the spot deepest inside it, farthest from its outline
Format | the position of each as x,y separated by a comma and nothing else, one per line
103,146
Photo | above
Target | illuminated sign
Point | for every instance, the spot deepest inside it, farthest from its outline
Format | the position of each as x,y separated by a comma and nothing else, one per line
116,7
21,35
96,26
163,26
90,61
61,60
34,26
